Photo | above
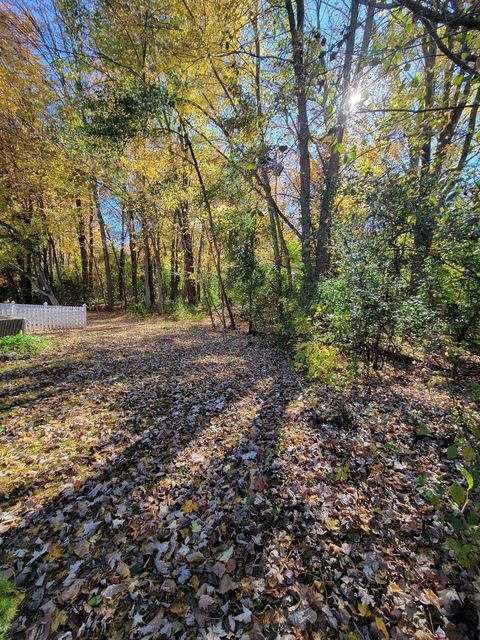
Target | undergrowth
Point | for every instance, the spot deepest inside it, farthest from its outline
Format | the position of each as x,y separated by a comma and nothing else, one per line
22,346
8,605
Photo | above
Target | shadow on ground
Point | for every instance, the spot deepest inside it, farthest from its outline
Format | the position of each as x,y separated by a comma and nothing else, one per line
197,498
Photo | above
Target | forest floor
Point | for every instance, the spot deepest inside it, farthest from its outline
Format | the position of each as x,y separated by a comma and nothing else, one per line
166,480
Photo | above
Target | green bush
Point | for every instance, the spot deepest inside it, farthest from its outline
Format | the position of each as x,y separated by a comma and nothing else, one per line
458,502
455,269
247,277
8,605
139,310
321,362
363,309
179,310
22,347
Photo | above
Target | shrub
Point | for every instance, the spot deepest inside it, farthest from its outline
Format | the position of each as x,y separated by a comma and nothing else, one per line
179,310
321,362
22,347
458,502
8,605
139,310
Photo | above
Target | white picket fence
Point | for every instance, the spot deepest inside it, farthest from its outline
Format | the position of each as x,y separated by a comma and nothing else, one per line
44,316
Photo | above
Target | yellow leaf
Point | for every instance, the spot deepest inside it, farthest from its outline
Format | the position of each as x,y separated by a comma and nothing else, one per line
382,627
332,524
178,608
189,506
195,582
394,589
319,586
363,610
59,619
123,570
55,551
433,598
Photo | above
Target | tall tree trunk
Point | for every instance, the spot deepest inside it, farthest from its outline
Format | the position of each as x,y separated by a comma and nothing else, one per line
132,236
424,220
296,23
189,292
91,248
174,275
148,293
263,174
122,285
99,277
159,272
199,265
285,255
213,241
57,266
471,127
117,262
26,280
82,242
322,262
106,257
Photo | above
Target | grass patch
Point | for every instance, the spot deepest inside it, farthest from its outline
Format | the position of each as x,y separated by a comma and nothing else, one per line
22,347
8,605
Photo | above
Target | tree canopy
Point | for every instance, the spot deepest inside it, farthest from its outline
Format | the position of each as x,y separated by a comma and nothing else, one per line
302,169
241,156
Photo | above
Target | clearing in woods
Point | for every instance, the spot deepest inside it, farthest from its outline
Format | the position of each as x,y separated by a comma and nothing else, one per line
169,480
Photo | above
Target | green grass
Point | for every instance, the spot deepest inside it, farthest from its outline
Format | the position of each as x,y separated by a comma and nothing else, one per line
8,605
21,346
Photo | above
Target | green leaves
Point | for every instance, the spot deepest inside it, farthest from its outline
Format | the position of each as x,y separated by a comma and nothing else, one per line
423,431
8,604
467,475
119,112
415,81
22,346
458,493
474,387
468,453
95,600
452,452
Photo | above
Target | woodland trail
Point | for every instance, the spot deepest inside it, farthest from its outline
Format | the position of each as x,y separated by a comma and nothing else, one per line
165,480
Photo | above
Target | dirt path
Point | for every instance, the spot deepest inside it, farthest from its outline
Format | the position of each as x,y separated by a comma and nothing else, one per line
164,480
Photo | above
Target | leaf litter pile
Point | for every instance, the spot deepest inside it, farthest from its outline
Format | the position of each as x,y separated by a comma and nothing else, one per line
166,480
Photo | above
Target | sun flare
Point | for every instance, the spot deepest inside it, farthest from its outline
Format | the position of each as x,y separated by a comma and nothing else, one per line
354,98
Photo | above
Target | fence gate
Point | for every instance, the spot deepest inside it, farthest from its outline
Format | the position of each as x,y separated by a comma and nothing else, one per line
44,316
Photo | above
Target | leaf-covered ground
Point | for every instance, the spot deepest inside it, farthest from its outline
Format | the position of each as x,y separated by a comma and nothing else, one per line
170,481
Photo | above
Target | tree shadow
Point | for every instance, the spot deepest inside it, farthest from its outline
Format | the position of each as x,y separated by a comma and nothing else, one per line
234,514
196,381
136,503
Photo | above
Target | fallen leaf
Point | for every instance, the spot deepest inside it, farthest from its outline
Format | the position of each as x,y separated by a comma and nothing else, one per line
71,592
382,627
205,601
